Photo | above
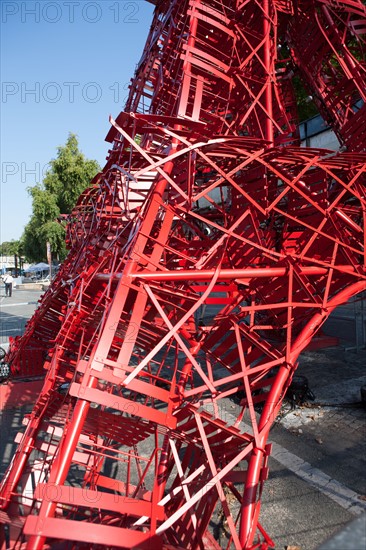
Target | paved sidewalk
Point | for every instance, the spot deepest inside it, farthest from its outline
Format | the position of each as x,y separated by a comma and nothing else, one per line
325,466
15,311
317,480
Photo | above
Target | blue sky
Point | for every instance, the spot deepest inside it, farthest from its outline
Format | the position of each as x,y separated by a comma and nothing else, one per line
65,66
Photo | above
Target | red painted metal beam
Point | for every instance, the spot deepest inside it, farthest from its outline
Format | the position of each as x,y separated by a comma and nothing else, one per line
206,199
227,274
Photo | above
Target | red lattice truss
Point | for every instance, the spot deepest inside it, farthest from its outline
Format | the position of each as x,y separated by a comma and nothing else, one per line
203,259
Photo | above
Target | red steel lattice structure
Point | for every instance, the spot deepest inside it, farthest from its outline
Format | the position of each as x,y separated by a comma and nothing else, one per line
206,200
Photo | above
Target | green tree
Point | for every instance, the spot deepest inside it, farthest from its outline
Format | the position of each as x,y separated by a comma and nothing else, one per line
7,247
305,104
16,249
69,174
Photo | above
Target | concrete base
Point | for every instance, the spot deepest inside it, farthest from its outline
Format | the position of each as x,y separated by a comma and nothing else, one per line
19,393
33,286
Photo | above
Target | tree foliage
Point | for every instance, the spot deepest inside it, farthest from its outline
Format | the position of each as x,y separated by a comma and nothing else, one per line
9,248
69,174
15,249
305,104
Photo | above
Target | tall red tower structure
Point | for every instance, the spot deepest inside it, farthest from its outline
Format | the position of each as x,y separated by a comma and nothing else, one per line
206,199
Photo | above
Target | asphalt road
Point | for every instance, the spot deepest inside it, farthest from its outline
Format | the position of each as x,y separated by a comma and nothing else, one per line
15,311
317,481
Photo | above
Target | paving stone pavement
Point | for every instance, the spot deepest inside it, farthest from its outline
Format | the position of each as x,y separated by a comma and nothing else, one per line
330,431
